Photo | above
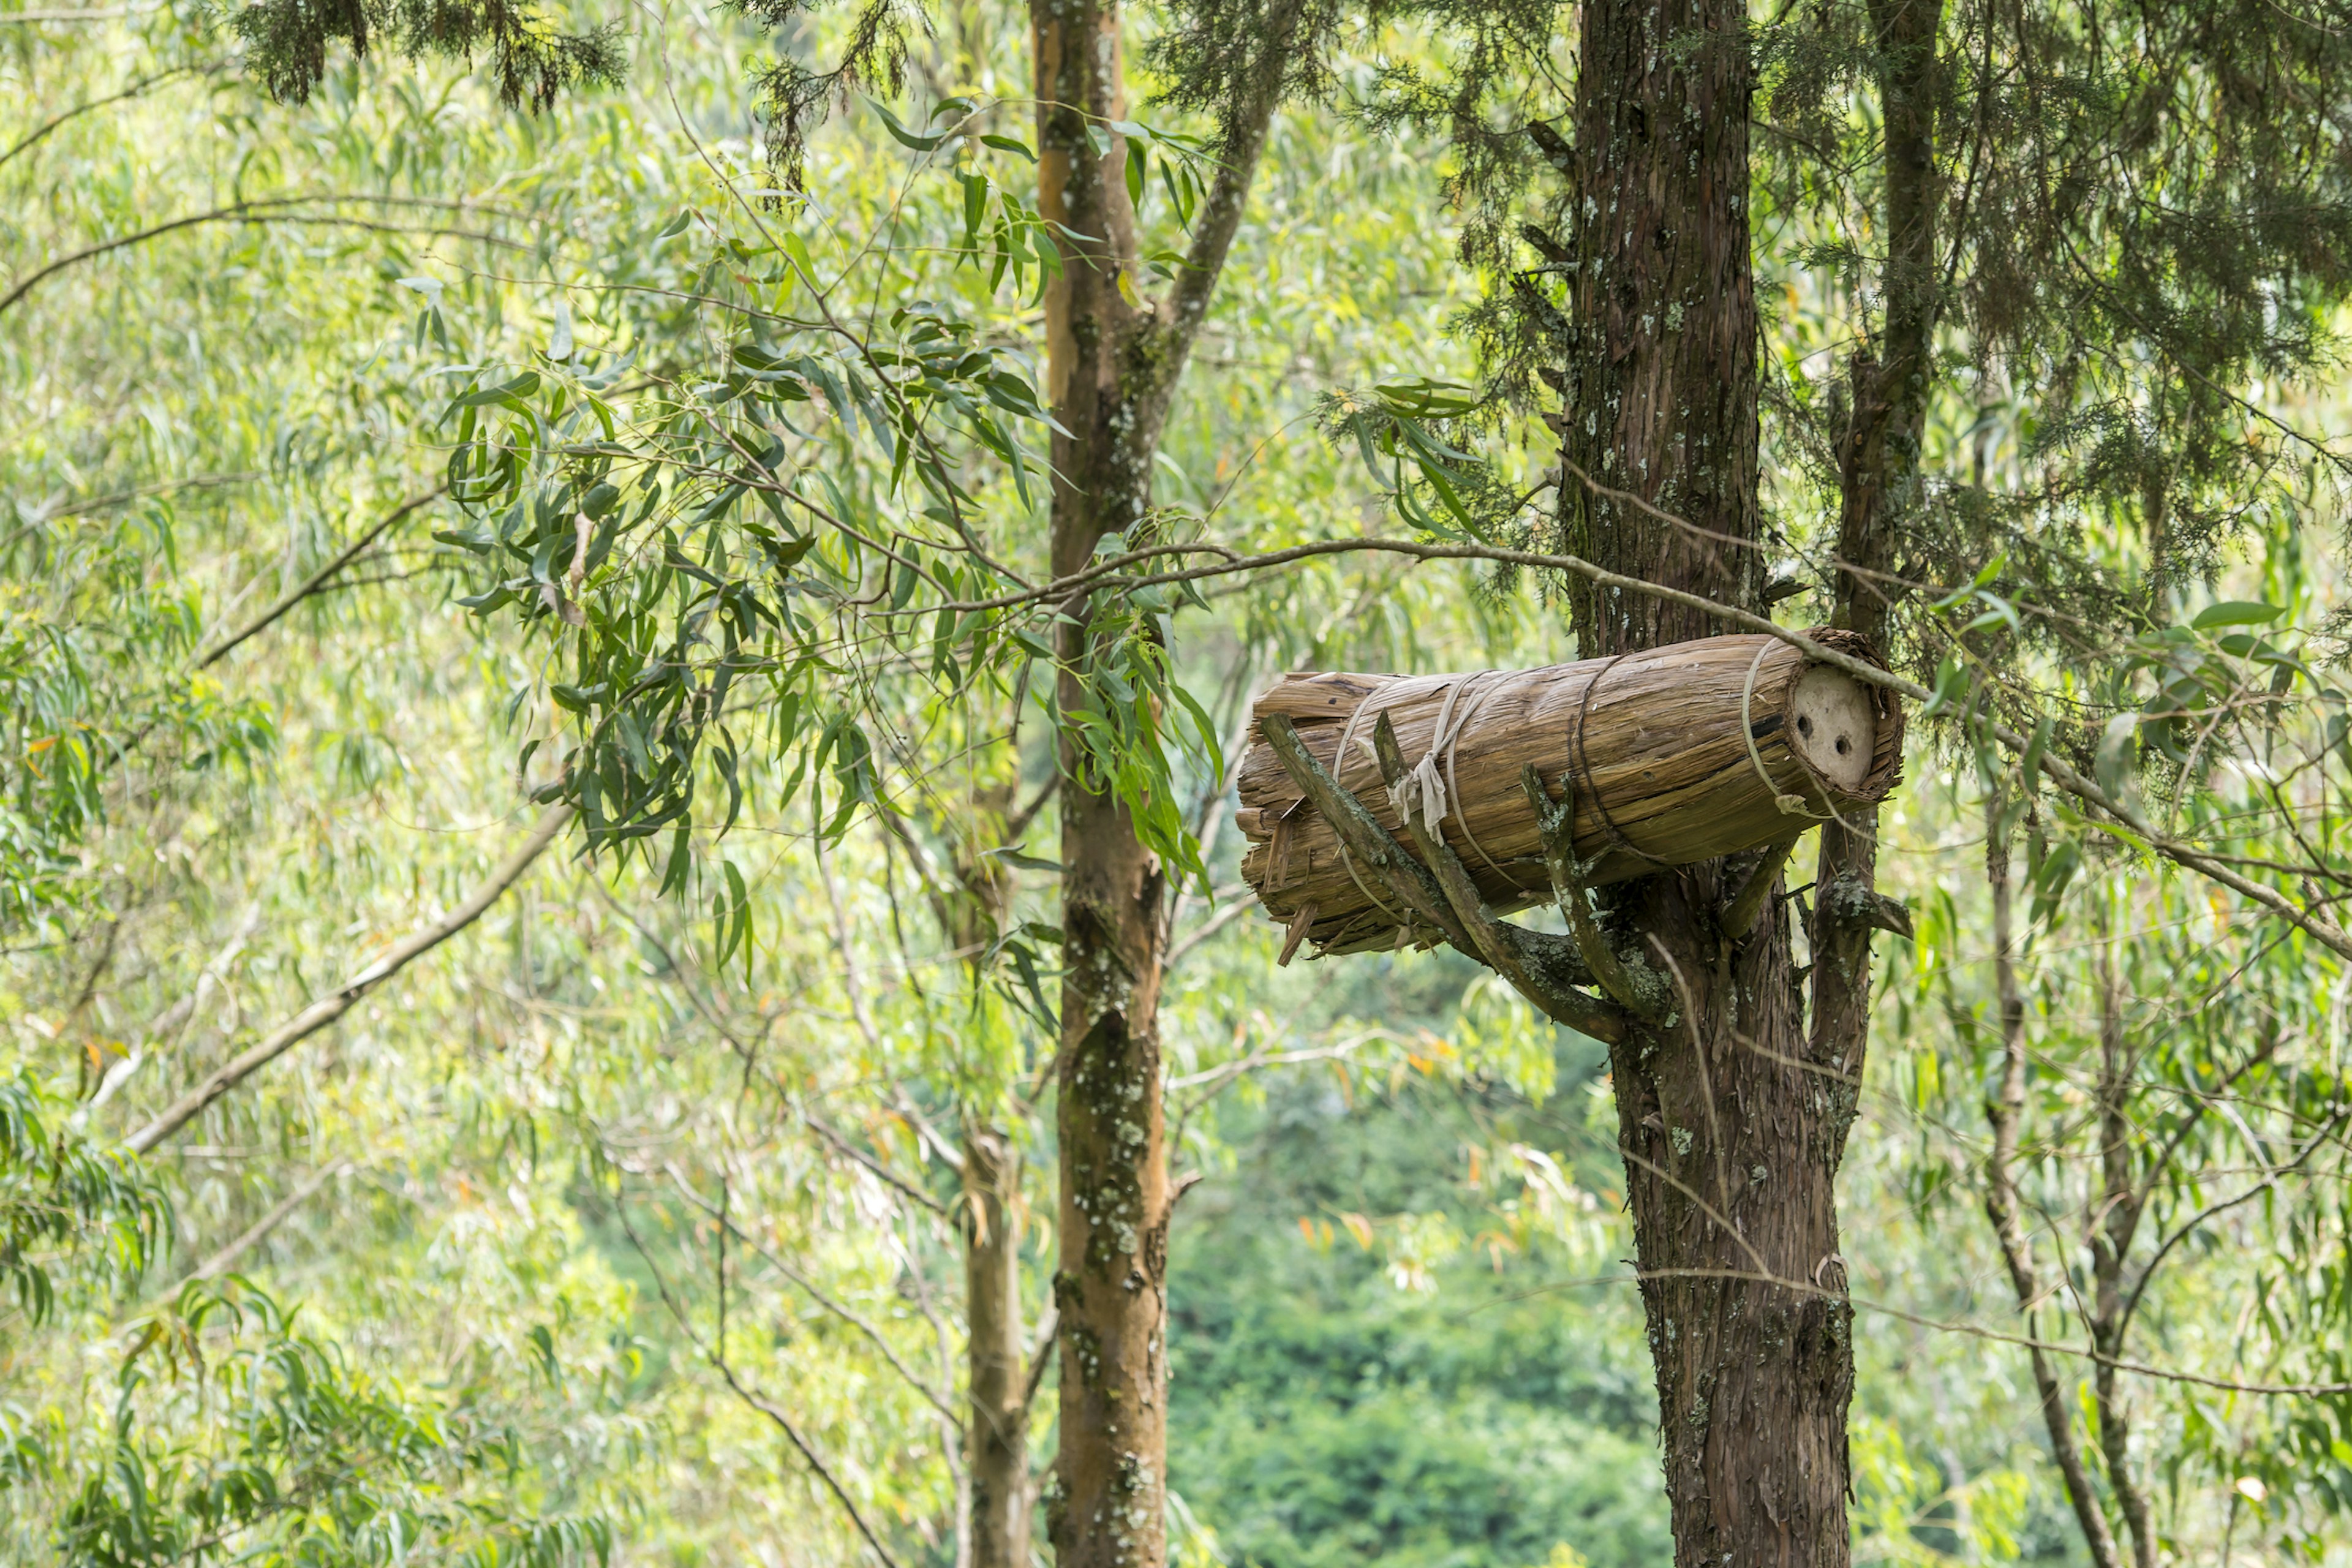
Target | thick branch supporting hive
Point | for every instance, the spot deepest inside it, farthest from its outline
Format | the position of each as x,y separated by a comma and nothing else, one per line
1649,745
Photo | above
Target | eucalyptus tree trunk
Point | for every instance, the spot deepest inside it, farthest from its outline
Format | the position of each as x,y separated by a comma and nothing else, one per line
1113,364
1730,1140
972,901
1105,1505
996,1450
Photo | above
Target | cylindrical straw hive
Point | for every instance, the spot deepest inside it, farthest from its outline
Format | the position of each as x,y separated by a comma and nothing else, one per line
1651,744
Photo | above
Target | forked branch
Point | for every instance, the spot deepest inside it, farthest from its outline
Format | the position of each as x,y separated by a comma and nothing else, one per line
1554,820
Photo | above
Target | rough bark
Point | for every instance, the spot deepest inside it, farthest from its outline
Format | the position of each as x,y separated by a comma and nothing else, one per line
1728,1128
996,1449
1113,365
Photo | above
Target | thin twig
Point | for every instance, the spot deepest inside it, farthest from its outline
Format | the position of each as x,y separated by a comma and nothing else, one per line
41,132
2005,1110
1940,1325
847,1314
241,212
751,1397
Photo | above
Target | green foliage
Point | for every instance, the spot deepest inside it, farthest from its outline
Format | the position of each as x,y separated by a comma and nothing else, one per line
1346,1392
531,62
96,651
296,1459
804,430
807,522
63,1199
233,1434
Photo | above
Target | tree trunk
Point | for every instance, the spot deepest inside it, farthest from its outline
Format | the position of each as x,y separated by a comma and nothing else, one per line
2005,1111
1113,362
1879,479
997,1450
1106,1506
1730,1146
2115,1223
970,896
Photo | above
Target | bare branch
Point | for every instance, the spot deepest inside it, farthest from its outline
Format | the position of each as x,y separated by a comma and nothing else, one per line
1042,1357
318,579
1740,916
218,1263
1553,820
815,1293
327,1009
2006,1111
1362,832
42,130
258,211
753,1398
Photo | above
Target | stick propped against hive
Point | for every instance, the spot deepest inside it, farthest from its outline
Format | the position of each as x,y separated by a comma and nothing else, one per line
1669,757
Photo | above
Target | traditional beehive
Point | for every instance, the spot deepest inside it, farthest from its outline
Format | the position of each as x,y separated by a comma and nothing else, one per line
1672,756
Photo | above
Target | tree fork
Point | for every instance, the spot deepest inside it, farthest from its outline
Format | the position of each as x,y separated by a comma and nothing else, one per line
1112,365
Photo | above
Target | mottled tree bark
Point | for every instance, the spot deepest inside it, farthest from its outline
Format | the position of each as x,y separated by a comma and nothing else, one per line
1113,365
1105,1506
1729,1127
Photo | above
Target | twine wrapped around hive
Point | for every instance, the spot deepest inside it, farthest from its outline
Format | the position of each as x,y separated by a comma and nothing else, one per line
1668,757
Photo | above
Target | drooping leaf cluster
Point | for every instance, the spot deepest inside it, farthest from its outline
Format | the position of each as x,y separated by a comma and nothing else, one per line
795,97
761,551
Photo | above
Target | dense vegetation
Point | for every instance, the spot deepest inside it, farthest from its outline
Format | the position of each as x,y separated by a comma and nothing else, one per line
592,498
